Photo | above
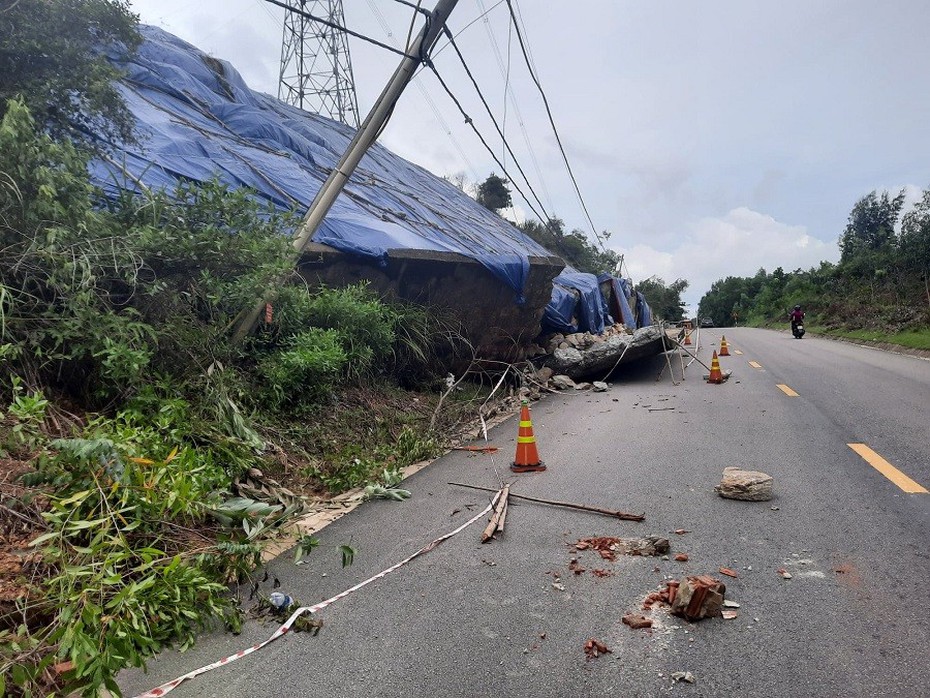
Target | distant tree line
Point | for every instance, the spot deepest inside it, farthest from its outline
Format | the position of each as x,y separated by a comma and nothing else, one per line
880,282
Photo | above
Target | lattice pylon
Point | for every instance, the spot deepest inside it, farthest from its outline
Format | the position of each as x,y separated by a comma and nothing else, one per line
316,69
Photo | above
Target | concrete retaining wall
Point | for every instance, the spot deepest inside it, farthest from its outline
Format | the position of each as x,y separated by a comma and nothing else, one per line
459,286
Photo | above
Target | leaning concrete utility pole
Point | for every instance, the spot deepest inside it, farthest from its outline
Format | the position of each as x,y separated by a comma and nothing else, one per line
377,118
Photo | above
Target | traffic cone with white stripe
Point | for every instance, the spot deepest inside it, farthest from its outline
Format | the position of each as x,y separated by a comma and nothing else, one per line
527,458
716,375
724,349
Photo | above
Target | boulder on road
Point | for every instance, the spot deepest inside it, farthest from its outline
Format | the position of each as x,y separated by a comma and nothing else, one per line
748,485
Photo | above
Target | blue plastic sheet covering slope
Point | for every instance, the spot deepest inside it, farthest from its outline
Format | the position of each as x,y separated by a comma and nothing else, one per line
645,312
197,119
578,305
621,294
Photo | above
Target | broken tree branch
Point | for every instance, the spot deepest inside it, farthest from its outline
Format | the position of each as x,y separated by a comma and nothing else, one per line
569,505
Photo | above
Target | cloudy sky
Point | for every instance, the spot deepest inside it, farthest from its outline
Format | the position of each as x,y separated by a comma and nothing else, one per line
710,138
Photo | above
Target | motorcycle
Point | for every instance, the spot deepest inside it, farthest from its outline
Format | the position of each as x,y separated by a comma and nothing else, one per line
797,329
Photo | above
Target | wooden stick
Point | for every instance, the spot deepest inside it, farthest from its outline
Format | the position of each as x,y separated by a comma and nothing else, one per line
583,507
500,524
499,510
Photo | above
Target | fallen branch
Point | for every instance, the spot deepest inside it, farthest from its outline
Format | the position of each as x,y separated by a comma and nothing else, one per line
569,505
497,519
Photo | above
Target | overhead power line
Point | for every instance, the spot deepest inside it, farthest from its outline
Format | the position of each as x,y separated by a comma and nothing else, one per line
497,126
470,122
571,174
339,27
426,95
508,92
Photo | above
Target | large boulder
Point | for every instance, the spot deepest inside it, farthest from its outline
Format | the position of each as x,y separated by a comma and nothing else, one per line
748,485
600,357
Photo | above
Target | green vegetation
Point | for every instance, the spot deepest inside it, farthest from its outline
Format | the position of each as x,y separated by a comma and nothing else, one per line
53,57
664,299
573,247
878,292
115,319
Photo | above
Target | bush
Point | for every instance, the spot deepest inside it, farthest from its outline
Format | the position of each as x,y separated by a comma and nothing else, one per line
122,587
305,370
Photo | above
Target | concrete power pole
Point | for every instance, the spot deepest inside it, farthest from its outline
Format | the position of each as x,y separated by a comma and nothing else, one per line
316,68
367,134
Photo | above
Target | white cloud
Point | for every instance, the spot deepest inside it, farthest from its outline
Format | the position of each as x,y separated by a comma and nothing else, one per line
736,244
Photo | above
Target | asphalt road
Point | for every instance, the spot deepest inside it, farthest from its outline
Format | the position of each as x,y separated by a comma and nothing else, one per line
485,620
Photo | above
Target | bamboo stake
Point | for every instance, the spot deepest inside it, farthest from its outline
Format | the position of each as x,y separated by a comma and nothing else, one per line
499,510
569,505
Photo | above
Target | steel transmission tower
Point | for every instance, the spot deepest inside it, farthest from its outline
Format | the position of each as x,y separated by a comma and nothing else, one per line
316,70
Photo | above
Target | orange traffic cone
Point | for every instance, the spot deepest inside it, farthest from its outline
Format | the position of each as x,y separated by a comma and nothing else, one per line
687,339
527,458
716,375
724,349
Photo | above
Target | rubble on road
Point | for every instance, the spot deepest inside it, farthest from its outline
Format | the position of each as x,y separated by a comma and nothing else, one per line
594,648
666,596
746,485
583,354
609,547
697,597
637,621
685,676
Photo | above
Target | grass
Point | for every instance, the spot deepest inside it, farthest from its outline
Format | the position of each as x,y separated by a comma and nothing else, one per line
913,339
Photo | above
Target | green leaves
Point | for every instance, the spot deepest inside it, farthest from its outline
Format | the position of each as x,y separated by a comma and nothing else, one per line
348,554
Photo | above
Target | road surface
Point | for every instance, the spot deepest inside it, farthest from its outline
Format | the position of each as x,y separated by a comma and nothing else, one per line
486,620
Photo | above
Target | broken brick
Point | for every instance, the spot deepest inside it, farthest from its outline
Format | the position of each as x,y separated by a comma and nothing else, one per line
697,597
681,557
594,648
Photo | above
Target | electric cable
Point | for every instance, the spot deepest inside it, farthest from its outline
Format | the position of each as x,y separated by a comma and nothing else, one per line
497,126
470,122
428,98
505,72
476,19
416,7
555,131
341,28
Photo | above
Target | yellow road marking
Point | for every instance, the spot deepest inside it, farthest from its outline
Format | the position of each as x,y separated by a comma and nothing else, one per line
755,365
888,470
787,391
737,352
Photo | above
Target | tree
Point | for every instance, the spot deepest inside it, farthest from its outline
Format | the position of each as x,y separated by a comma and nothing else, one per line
871,224
573,247
494,194
664,299
53,57
915,236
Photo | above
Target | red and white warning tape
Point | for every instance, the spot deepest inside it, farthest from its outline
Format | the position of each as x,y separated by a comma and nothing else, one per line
171,685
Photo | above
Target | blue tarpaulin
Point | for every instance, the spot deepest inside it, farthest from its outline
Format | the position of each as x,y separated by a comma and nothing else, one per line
578,305
621,295
197,119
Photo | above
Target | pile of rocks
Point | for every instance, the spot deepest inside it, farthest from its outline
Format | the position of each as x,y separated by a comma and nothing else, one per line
582,354
578,340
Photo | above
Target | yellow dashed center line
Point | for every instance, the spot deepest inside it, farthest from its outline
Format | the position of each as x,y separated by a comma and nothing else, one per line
888,470
787,391
755,365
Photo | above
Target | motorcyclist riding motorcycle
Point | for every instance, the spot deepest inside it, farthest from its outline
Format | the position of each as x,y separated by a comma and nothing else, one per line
797,322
